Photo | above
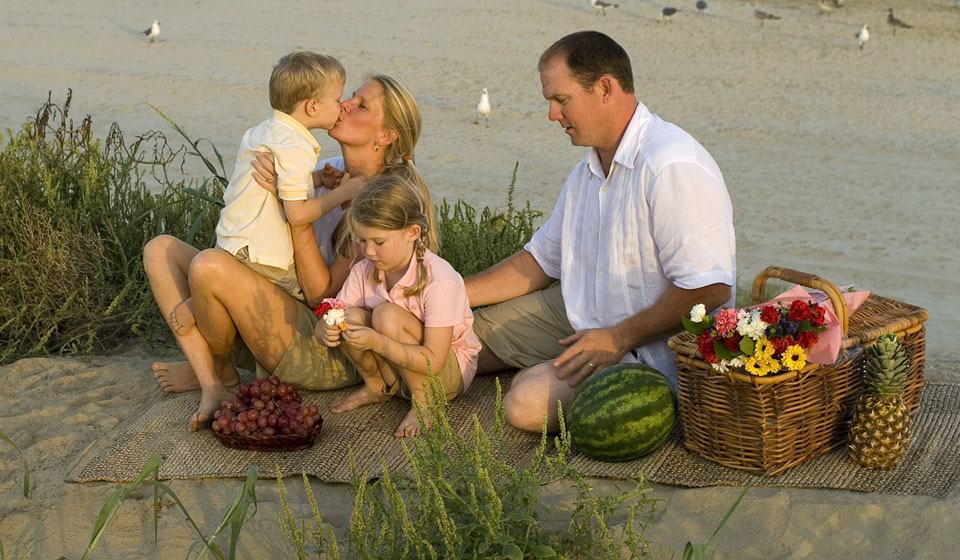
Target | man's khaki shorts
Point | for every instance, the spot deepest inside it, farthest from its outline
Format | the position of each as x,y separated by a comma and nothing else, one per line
524,331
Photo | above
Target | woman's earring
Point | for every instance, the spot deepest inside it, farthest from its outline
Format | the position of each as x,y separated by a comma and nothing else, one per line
376,147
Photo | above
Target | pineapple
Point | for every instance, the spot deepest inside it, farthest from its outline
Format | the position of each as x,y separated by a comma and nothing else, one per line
881,422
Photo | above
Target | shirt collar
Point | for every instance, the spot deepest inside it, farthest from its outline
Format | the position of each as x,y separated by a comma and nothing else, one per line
629,147
293,123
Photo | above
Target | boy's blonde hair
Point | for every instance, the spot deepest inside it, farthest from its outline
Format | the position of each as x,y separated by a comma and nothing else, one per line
393,202
302,75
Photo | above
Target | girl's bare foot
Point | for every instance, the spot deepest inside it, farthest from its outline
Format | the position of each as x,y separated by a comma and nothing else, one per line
175,377
178,377
210,402
181,318
410,425
360,397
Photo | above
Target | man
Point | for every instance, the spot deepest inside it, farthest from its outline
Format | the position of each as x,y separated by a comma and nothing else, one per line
642,232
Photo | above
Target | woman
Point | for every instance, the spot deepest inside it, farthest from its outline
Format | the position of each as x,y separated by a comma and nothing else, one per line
378,128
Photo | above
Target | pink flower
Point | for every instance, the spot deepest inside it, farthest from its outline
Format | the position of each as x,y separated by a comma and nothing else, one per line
725,321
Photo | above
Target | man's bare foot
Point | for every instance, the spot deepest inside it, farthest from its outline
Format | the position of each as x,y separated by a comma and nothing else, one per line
210,402
410,425
176,377
363,395
181,318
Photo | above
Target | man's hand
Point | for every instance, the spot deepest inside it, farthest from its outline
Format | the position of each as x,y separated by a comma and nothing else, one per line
587,351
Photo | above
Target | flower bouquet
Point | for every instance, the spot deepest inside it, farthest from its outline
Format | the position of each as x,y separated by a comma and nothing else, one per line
761,340
332,311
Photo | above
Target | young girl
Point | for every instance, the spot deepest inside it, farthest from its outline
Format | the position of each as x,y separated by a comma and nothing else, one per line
405,304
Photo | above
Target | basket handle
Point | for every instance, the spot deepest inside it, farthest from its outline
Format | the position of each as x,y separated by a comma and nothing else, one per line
803,279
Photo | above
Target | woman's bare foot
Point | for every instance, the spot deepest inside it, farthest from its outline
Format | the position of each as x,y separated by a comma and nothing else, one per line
360,397
176,377
210,402
181,318
410,425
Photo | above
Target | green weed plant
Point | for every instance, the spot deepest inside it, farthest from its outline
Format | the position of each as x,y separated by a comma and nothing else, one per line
77,211
462,500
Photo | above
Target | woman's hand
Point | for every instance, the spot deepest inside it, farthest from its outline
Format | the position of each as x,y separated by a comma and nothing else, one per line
328,335
328,177
265,172
359,337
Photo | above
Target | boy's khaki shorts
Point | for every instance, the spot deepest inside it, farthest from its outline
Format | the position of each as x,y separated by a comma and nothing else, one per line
286,280
524,331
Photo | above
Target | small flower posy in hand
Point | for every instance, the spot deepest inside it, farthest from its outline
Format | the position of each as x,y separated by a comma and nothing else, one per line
761,340
332,311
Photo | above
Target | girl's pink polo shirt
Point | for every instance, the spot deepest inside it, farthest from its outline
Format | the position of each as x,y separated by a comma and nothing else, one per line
441,303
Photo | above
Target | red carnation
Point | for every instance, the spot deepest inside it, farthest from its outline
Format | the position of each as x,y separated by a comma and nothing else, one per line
807,339
769,315
779,344
732,342
817,316
705,347
799,311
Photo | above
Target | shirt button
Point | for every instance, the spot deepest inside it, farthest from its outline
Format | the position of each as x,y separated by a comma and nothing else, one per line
603,232
600,273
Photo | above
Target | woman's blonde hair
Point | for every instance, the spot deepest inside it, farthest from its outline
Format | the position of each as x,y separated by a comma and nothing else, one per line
393,202
302,75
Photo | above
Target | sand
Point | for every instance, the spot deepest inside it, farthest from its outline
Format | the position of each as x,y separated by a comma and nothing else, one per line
839,162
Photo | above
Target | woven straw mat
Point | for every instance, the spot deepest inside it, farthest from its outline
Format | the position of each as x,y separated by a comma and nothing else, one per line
931,465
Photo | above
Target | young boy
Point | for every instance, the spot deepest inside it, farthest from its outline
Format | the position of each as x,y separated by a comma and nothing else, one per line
305,91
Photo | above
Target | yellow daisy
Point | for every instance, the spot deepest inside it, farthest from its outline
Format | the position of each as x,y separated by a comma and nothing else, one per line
764,348
752,365
770,364
793,357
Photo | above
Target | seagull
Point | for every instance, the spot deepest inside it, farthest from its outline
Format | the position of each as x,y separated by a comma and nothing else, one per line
895,23
483,108
863,35
763,16
668,13
702,6
602,6
153,31
829,6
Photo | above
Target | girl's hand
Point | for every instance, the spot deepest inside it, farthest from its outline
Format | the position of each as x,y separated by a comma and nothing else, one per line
361,338
265,172
328,335
328,177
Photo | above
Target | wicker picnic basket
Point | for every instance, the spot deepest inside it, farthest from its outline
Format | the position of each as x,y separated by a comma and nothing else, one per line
775,422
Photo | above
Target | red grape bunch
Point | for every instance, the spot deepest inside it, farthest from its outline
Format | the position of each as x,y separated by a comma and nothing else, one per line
265,407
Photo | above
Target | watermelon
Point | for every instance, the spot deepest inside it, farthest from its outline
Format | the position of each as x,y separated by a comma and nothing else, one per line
621,412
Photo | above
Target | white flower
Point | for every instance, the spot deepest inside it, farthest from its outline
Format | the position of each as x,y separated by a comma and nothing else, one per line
698,312
721,367
750,324
737,362
334,316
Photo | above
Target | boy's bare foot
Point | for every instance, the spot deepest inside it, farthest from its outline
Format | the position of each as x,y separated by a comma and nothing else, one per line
210,402
176,377
181,318
410,425
360,397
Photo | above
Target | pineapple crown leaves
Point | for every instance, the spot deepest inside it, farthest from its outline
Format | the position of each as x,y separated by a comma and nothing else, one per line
887,366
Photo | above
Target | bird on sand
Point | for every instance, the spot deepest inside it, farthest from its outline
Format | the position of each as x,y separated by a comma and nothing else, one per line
153,31
895,23
763,16
830,6
863,35
702,6
667,13
483,108
602,6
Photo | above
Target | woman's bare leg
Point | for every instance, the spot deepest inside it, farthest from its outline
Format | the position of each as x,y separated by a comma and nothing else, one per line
166,261
229,298
367,365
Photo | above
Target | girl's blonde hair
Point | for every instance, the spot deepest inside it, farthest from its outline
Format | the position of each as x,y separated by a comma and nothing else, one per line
393,202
